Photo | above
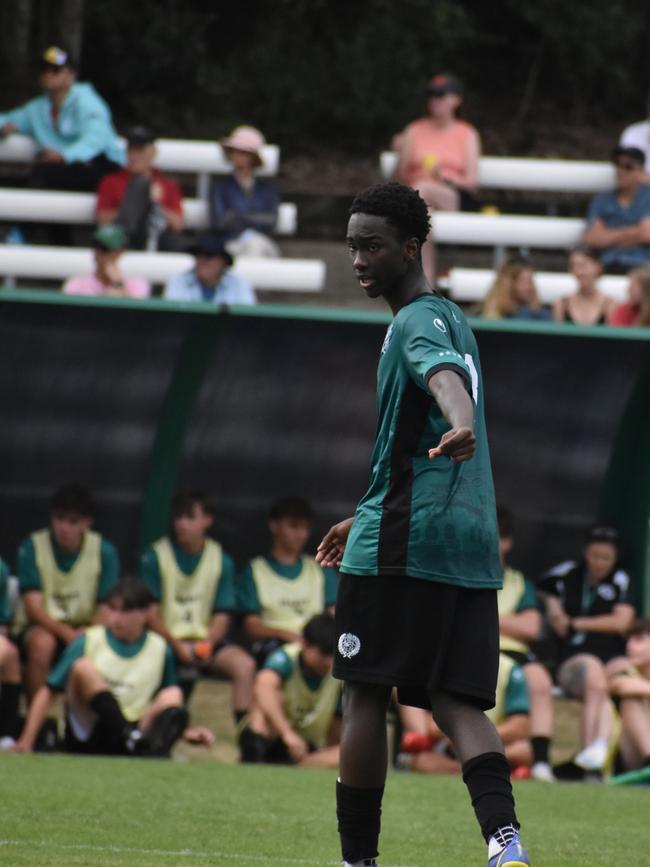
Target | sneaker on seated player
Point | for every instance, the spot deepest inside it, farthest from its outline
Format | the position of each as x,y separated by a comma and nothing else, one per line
506,850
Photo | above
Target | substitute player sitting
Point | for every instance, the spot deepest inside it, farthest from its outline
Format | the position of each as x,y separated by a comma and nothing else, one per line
417,604
294,717
191,579
65,573
119,682
278,594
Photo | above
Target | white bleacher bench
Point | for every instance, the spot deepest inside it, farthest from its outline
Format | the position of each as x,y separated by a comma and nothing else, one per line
53,206
524,173
496,230
59,263
473,284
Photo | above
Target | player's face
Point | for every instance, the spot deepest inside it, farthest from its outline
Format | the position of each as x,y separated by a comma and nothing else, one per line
291,534
601,559
378,256
638,649
314,658
126,625
68,529
190,528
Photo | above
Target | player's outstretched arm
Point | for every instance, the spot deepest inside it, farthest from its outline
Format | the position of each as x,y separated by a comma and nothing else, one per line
456,405
330,550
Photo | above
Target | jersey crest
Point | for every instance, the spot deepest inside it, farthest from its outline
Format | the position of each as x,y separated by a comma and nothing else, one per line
349,645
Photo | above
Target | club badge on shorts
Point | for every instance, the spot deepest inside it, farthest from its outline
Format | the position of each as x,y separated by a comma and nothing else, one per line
349,645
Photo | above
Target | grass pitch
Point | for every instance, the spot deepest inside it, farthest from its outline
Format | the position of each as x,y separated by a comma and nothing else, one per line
59,810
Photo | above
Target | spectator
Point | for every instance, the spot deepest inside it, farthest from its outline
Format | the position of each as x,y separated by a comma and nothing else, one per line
10,679
143,200
119,683
636,310
210,279
587,608
618,222
65,571
438,154
192,581
638,136
513,294
630,683
71,125
295,714
588,305
278,594
243,207
520,623
109,243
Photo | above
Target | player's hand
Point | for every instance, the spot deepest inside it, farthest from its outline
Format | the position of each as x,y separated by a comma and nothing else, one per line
200,736
560,622
296,745
156,192
69,633
184,654
48,155
459,444
330,550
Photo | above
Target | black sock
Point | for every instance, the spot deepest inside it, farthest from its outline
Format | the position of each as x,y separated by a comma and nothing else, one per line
487,778
359,817
646,762
108,710
253,747
540,749
9,698
239,715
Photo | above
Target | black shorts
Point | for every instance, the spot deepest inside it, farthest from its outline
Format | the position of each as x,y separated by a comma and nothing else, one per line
418,636
521,657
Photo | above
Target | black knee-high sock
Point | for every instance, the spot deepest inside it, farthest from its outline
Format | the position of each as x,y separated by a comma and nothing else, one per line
9,698
540,749
108,710
359,817
487,778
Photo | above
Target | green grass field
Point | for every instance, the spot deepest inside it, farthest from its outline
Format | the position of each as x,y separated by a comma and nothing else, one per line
59,810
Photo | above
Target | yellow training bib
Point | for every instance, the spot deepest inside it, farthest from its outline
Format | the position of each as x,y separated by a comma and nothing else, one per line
289,603
70,597
310,712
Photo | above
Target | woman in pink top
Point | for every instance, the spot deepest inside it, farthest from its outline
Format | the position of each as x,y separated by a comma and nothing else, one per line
438,154
636,310
110,242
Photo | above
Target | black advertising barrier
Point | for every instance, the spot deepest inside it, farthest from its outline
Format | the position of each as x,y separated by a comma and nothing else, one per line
136,398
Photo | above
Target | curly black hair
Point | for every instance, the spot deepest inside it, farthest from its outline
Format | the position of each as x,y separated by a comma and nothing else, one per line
401,206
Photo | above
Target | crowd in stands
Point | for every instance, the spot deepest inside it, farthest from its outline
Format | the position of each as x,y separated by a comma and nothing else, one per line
126,652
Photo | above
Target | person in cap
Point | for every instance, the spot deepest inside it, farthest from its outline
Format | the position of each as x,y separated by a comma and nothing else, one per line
637,135
243,206
211,279
110,242
143,200
71,125
438,154
587,609
618,221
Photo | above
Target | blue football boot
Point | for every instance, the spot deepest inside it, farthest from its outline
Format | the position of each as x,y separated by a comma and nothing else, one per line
514,855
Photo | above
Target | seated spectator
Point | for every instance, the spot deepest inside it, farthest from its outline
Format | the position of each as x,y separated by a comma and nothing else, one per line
109,243
637,135
588,305
65,571
509,715
295,715
119,682
71,125
211,278
618,222
513,294
10,678
438,154
192,581
636,310
141,199
243,207
630,684
279,593
520,623
587,608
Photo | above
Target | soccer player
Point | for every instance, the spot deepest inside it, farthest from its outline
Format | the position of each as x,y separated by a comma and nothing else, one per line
65,571
192,580
119,682
9,667
293,719
417,603
278,594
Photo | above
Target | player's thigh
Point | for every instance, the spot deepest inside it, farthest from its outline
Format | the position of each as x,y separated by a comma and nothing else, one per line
577,674
40,644
538,679
231,661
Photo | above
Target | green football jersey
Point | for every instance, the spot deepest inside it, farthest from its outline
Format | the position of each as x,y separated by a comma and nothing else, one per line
430,519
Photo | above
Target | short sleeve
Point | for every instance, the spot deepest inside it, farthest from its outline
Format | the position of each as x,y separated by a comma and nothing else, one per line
246,593
280,663
29,577
224,597
169,669
621,581
58,677
5,611
110,569
427,348
529,597
517,692
331,585
150,573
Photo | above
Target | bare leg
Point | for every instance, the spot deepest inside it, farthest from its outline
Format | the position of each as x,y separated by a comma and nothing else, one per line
328,757
541,700
519,753
239,667
9,662
635,735
364,748
171,696
584,677
466,726
435,763
41,647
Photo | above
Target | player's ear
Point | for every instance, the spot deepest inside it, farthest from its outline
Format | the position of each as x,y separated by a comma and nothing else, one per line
412,249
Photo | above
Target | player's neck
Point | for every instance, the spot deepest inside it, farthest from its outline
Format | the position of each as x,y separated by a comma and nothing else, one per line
413,285
285,556
191,546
